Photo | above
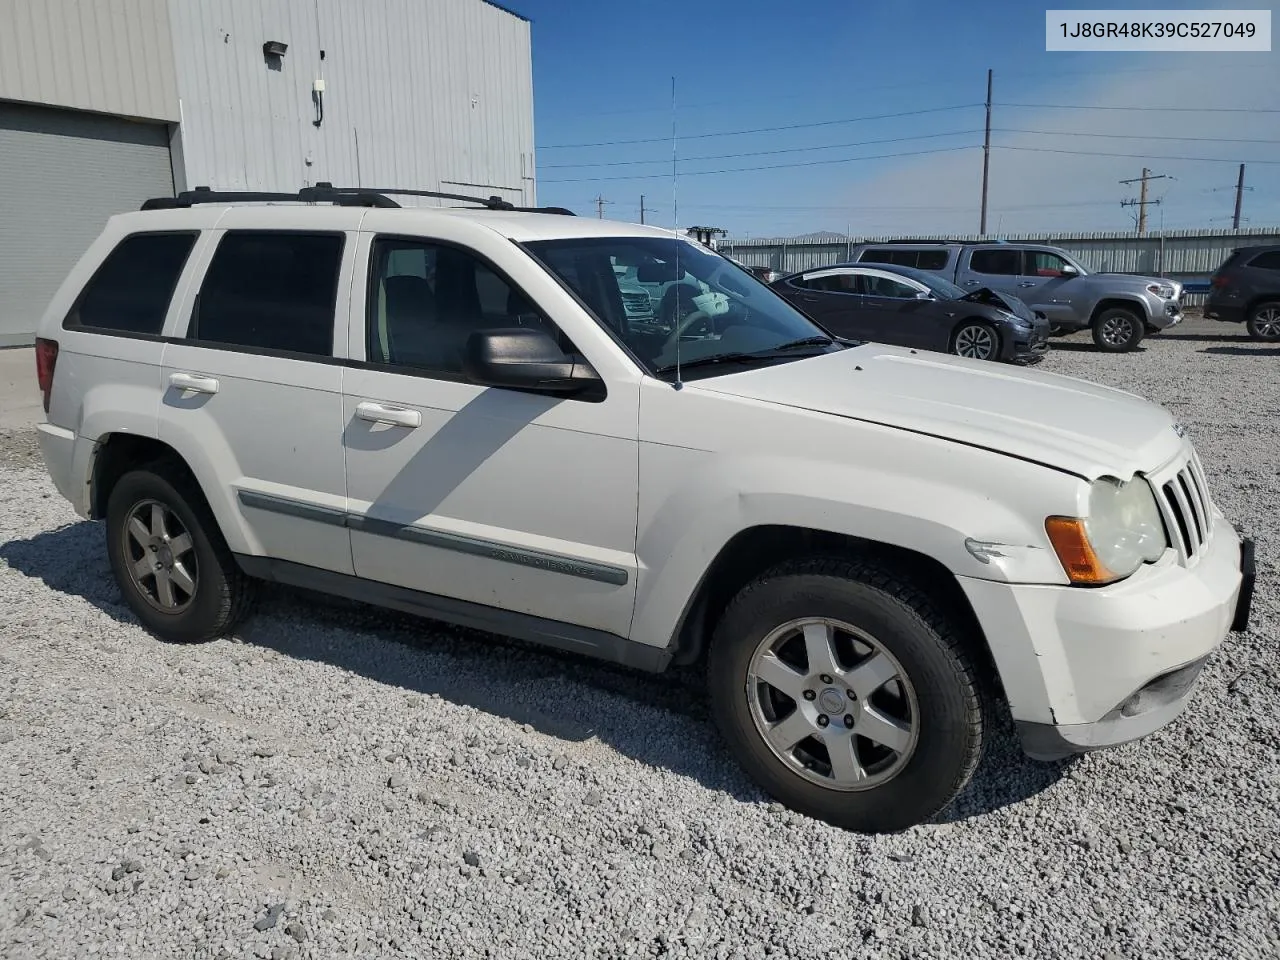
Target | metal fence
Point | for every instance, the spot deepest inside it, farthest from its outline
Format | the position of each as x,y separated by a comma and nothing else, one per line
1186,255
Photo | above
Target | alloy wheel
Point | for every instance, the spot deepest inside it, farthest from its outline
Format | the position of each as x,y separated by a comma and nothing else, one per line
832,704
1267,322
160,556
1117,331
975,342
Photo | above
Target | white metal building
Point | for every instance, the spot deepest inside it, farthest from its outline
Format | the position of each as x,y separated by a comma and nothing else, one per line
104,103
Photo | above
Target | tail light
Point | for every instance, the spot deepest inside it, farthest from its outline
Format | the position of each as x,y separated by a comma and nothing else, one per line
46,360
1218,280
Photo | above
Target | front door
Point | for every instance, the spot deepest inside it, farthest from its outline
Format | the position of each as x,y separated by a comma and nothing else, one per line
252,393
1044,286
512,500
895,311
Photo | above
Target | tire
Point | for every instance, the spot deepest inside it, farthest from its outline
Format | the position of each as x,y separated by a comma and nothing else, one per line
906,783
208,595
977,340
1264,322
1118,330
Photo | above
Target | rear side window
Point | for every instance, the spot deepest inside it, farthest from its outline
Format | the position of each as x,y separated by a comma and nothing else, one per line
921,259
131,291
270,291
1267,261
1005,263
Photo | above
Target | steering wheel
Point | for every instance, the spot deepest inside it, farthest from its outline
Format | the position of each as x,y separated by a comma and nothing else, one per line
679,328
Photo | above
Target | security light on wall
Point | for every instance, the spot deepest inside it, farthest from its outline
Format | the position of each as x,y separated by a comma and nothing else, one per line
274,48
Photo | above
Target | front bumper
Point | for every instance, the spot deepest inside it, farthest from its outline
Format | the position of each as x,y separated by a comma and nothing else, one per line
1169,314
1087,668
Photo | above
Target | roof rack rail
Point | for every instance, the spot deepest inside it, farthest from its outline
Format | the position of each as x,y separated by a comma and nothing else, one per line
489,203
918,241
325,192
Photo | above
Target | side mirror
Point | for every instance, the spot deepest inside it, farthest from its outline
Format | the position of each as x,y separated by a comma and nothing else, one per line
1069,271
522,358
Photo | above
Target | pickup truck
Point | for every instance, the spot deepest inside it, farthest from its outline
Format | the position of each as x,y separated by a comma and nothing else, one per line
1120,308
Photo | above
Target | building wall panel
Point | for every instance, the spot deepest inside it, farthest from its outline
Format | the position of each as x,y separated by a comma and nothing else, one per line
423,94
106,56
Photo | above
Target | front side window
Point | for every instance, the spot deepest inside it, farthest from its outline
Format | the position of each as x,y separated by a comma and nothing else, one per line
1003,263
881,286
270,291
705,307
1042,263
130,292
426,299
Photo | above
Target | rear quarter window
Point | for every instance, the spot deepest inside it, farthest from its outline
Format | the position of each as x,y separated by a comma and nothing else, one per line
1270,260
130,292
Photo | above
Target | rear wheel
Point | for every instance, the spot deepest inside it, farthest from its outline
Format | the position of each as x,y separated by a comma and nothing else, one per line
976,340
1264,322
846,696
169,558
1117,330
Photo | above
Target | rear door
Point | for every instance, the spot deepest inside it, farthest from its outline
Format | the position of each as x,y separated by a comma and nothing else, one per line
996,267
253,387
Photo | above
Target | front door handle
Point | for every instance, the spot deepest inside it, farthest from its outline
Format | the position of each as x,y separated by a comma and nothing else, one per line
396,416
972,283
1026,283
190,383
809,299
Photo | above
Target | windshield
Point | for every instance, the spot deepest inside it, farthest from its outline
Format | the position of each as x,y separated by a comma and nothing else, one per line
941,288
657,295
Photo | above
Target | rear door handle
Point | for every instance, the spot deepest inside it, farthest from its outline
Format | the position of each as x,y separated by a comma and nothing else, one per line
396,416
1026,283
809,299
972,283
190,383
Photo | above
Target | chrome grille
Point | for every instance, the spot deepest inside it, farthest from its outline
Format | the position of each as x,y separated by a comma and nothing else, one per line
1185,505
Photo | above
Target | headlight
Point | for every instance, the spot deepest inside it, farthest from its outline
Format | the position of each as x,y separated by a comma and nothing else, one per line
1122,532
1162,290
1013,318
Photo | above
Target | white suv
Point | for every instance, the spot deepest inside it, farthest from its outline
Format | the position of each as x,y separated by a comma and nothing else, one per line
447,411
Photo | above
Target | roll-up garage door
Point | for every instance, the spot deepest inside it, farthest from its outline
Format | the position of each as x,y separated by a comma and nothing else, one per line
62,174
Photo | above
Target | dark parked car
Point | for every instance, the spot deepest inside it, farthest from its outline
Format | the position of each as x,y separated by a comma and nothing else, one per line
1247,288
913,308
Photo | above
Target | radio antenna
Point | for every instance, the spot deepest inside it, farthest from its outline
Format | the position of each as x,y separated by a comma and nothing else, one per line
675,226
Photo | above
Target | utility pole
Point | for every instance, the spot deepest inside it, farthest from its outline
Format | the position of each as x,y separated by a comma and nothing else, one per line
1235,221
643,208
1142,202
600,202
986,160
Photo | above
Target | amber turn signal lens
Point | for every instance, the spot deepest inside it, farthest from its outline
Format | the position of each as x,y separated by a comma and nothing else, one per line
1071,543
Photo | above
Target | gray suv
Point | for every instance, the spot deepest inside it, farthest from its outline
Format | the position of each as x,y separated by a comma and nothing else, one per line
1119,308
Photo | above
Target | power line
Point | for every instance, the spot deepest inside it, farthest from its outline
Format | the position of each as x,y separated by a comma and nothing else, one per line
1130,136
1130,156
775,166
1083,106
761,153
738,133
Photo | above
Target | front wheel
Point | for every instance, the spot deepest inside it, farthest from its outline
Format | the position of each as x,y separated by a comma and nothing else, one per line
846,696
976,340
1264,322
1118,330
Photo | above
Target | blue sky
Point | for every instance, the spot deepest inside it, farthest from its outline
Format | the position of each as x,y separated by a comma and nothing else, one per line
602,73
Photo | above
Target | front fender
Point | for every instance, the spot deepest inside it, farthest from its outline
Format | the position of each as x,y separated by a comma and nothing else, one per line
694,503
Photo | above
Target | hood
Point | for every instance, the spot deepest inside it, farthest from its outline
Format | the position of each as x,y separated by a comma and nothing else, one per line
1072,425
1137,281
1001,301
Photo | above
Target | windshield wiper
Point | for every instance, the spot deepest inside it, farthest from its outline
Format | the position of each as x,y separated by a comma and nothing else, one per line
818,341
712,360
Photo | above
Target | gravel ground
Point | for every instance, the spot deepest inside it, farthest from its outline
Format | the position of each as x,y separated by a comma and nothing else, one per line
339,781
